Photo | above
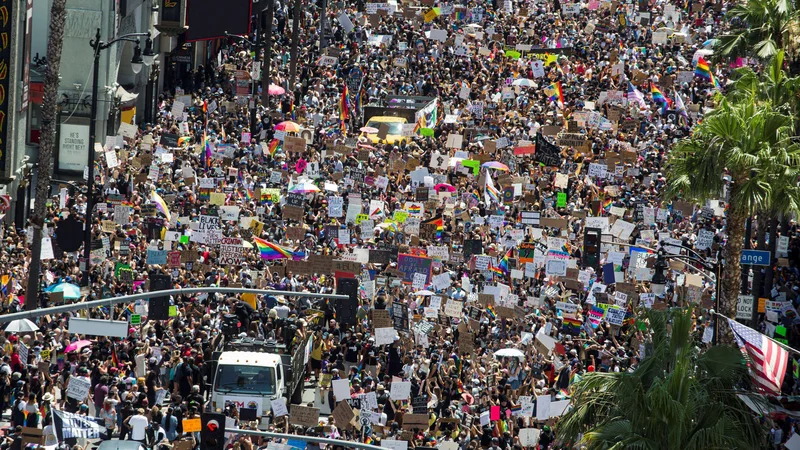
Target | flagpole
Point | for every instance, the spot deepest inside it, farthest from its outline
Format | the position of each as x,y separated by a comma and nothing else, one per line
782,345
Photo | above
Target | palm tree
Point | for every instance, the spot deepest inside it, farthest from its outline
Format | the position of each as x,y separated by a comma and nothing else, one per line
750,142
773,85
58,17
763,28
678,398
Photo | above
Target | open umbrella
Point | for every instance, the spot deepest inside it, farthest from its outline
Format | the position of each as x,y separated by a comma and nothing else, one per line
77,345
368,130
70,290
445,187
275,90
494,165
303,187
21,326
510,353
288,126
523,82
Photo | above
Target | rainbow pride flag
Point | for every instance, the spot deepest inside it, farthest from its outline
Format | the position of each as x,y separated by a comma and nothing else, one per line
503,264
490,312
658,97
703,70
414,209
571,325
555,93
439,222
273,145
272,251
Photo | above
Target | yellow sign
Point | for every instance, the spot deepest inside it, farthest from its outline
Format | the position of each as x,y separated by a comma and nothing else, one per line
217,198
191,425
360,218
250,299
430,15
762,305
326,380
400,216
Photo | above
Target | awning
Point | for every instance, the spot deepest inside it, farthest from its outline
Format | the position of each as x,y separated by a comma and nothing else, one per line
126,99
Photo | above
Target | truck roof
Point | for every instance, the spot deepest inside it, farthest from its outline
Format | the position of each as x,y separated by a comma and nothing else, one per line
387,119
249,359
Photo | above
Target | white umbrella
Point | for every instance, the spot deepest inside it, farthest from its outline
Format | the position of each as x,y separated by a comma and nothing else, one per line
423,292
510,353
523,82
21,326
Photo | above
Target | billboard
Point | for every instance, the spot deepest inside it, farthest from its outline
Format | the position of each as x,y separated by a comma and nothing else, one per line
205,21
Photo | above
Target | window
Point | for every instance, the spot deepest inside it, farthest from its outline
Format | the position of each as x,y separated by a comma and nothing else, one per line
237,379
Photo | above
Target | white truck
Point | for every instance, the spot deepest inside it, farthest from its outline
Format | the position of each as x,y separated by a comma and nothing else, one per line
249,373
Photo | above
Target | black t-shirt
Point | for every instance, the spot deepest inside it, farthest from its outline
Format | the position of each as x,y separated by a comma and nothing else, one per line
353,348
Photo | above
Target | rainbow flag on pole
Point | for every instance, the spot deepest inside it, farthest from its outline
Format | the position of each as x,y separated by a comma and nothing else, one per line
703,70
271,251
658,97
555,93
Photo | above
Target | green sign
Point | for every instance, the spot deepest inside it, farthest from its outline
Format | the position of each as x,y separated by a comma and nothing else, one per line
184,239
136,319
561,200
173,311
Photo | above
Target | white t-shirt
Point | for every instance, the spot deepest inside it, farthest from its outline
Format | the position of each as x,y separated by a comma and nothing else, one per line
138,424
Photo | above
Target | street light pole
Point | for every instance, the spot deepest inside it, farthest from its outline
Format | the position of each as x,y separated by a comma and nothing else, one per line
98,45
295,44
266,74
257,47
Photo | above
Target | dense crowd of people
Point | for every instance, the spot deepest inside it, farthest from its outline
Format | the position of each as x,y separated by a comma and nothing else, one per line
465,228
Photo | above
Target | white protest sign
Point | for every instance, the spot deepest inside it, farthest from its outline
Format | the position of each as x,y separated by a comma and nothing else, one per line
401,390
529,437
341,389
384,336
279,408
78,388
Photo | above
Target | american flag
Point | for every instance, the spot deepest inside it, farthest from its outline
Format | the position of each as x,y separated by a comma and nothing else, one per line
634,96
768,359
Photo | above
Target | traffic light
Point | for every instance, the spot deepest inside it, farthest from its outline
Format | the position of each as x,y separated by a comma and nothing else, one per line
591,248
212,433
346,309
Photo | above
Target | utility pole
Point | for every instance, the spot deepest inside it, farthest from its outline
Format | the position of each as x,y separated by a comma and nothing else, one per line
266,75
323,26
295,44
254,99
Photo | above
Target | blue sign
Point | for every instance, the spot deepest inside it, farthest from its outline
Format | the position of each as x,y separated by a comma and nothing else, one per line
756,257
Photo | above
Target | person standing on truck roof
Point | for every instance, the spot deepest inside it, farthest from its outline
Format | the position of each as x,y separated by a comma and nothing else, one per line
282,309
315,361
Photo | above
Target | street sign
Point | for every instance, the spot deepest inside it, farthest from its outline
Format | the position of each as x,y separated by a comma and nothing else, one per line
744,308
756,257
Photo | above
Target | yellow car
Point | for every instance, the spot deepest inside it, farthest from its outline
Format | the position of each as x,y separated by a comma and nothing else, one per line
395,134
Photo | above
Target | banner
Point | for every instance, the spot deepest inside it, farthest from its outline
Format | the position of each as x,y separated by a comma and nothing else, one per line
69,425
